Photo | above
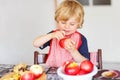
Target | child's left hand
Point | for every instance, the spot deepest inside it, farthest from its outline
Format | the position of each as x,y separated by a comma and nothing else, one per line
70,45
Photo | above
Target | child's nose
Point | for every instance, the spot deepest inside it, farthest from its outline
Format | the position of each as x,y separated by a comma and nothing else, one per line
67,26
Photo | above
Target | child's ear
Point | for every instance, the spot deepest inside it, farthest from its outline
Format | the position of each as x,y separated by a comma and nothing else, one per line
79,25
81,21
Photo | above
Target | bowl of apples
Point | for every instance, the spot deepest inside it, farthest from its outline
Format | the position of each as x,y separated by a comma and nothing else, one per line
77,71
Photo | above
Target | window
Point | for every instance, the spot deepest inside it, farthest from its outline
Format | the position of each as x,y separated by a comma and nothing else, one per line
101,2
84,2
95,2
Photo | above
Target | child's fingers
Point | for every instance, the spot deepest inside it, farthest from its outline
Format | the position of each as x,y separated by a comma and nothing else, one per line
70,44
73,42
63,33
60,34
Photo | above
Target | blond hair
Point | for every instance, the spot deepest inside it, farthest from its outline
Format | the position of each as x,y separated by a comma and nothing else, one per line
68,9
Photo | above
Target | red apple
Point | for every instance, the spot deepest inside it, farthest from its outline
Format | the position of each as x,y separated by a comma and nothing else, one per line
86,66
82,72
37,70
62,42
72,68
27,76
65,63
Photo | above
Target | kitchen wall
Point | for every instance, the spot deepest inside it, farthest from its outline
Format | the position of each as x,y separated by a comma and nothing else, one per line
21,21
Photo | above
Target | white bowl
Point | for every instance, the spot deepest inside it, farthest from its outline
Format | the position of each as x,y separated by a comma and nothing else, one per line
88,76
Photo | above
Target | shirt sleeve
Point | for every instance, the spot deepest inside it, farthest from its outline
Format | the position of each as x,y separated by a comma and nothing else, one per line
83,49
46,44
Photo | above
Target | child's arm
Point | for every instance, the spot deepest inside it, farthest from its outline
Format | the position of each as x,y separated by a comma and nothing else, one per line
39,41
77,56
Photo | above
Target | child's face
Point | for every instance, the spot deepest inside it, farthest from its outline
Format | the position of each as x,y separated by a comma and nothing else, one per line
69,26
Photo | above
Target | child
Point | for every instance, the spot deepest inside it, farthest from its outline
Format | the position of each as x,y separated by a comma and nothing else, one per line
69,17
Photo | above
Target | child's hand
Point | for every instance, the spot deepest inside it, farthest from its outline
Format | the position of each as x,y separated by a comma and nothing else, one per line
58,34
70,45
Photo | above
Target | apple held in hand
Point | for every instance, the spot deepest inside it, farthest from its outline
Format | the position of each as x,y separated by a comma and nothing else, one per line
86,66
37,70
27,75
72,68
62,42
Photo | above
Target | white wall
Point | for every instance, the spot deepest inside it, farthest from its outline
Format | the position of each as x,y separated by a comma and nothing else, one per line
21,21
102,28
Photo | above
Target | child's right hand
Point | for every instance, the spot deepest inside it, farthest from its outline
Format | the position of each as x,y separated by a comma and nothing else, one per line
58,34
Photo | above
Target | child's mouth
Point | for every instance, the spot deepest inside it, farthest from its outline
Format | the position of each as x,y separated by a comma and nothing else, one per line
66,31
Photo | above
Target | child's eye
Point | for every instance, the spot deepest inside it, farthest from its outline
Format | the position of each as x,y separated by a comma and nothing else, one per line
63,22
72,24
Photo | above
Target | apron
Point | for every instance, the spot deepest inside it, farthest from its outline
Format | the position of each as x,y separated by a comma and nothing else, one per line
57,56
